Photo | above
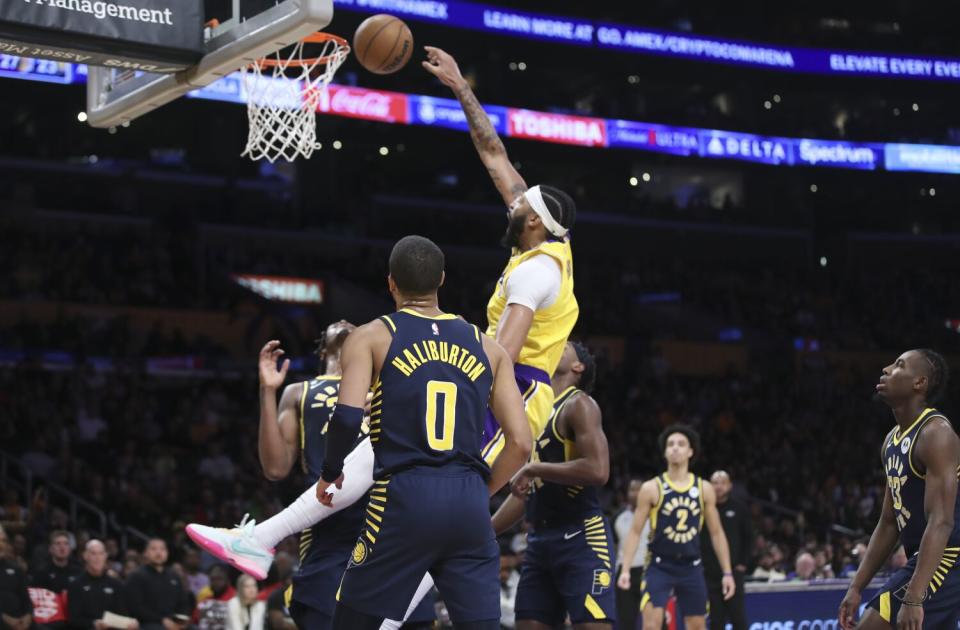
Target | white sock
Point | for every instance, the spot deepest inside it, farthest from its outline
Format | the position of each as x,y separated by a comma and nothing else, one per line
425,585
307,511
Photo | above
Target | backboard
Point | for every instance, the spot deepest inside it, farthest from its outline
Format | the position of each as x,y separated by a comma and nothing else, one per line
119,95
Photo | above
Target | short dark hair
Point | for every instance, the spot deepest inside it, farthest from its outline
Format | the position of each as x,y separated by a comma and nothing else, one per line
939,374
416,265
692,436
562,207
59,533
589,376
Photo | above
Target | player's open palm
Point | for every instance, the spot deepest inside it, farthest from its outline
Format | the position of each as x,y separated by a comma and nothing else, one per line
270,376
442,65
848,609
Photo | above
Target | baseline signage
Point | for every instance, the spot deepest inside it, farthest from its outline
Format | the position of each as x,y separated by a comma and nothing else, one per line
430,111
283,289
584,32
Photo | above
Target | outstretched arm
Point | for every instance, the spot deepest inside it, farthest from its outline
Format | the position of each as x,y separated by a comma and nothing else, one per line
493,154
278,443
356,360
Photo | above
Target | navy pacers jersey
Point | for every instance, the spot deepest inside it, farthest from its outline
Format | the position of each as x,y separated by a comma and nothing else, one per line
552,502
324,547
430,400
905,478
676,520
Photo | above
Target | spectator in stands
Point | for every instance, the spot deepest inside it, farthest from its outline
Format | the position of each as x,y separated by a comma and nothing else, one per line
95,592
215,465
60,567
156,595
805,568
13,514
766,570
245,611
16,610
278,612
211,610
196,579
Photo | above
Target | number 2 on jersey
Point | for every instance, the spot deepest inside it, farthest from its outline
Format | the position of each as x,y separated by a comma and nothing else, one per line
435,389
682,516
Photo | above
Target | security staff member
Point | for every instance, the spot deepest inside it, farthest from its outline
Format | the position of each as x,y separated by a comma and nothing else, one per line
94,592
739,530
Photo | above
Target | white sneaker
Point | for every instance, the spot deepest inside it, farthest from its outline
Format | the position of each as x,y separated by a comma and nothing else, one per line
238,546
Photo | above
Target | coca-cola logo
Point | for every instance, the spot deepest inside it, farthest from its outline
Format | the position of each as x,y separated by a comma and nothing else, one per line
359,103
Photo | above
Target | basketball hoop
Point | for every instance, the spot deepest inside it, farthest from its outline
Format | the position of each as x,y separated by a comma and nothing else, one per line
283,107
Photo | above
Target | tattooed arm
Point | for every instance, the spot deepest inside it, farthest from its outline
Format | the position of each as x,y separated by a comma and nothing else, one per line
492,152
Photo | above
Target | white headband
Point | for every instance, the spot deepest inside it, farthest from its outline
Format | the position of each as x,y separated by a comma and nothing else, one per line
535,198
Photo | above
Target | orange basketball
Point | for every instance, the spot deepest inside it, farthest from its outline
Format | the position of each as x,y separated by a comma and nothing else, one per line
383,44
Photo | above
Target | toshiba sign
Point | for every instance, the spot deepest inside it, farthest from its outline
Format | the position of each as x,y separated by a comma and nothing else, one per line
590,132
282,289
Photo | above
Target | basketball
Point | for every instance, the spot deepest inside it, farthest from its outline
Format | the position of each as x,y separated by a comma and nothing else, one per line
383,44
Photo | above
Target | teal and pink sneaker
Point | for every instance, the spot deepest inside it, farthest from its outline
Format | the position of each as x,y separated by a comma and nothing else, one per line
237,547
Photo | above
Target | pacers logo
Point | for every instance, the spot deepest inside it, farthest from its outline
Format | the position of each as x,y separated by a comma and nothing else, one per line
601,581
359,553
326,398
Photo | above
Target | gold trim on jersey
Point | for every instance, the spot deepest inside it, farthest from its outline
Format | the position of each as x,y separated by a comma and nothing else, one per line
947,562
376,509
897,435
703,509
306,539
885,606
693,479
303,428
376,412
595,534
389,322
441,317
914,441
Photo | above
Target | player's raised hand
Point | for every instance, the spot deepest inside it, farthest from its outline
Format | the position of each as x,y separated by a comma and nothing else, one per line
442,65
848,609
729,586
270,376
325,497
623,582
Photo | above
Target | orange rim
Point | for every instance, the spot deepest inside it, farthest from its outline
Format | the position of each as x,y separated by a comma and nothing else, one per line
317,38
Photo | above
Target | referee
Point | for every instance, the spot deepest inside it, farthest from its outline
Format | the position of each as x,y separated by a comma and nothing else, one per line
735,517
628,602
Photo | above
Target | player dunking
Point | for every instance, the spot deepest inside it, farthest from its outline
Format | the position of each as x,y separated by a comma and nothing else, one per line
533,308
567,566
677,503
531,314
433,377
921,507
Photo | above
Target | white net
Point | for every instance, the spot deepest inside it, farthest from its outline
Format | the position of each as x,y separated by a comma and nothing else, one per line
282,93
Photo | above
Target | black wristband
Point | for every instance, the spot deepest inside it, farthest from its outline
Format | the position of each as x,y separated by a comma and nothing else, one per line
341,435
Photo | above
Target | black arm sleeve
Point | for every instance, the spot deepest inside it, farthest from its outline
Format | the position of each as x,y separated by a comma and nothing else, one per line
341,434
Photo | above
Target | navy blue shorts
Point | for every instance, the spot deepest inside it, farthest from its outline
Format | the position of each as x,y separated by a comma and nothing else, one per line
683,579
422,520
325,551
567,570
941,609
